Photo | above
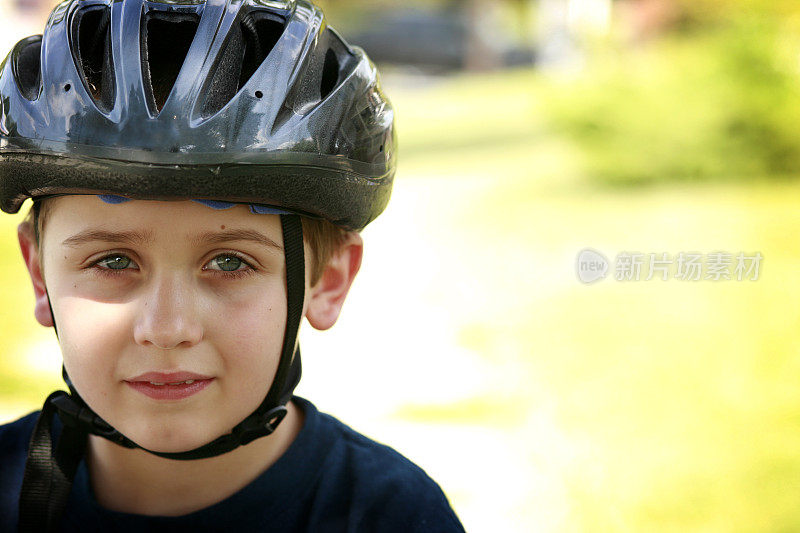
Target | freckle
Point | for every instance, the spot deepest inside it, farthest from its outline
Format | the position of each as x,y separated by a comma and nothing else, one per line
222,227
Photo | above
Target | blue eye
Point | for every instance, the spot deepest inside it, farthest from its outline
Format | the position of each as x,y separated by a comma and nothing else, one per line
228,263
115,262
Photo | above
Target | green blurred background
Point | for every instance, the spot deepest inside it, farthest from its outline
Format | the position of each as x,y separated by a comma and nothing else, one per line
537,402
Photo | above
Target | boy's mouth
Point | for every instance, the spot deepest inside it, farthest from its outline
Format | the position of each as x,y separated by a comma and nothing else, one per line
169,386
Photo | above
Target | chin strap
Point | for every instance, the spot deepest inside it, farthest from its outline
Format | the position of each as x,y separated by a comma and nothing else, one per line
48,476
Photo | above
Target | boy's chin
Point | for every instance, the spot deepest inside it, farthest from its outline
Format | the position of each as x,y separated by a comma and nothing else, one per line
169,439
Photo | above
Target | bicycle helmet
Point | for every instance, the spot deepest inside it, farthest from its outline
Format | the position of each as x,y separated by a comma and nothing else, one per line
245,101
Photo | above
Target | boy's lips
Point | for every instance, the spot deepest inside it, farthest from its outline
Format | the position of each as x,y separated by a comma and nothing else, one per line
169,386
167,377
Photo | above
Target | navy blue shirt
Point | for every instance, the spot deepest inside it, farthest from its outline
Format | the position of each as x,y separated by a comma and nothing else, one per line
331,478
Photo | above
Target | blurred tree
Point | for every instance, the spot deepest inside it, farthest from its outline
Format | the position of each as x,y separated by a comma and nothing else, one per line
714,11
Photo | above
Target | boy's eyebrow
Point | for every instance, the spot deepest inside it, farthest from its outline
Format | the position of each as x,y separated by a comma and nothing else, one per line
144,237
92,235
218,237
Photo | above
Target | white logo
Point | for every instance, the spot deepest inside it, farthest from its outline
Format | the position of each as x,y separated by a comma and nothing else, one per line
591,265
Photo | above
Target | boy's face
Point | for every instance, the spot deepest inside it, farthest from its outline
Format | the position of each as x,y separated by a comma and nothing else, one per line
166,287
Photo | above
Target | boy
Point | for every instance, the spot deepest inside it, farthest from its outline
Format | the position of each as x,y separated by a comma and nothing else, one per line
199,173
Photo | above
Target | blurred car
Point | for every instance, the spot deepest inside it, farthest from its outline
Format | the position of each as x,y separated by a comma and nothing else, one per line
435,41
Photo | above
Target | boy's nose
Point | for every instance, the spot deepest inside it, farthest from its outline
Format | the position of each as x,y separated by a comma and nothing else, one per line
168,317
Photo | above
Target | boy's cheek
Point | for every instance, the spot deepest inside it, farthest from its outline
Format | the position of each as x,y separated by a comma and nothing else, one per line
91,319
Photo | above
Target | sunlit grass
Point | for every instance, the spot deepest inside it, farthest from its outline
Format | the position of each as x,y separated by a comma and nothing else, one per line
666,406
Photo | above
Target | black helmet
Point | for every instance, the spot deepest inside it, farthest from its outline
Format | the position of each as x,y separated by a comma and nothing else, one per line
255,101
250,101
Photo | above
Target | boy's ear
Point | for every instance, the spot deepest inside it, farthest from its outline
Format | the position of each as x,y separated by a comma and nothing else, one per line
30,254
327,295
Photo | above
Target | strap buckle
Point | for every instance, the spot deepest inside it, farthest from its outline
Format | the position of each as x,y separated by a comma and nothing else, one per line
260,425
73,412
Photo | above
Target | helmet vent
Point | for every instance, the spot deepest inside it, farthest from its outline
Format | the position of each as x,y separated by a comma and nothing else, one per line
322,73
93,29
27,67
165,45
248,45
330,74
